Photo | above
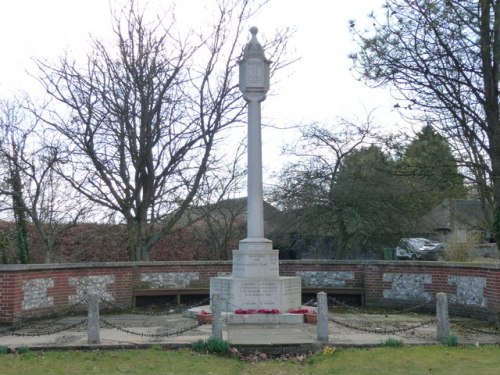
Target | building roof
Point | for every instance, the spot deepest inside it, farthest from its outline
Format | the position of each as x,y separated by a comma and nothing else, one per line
454,214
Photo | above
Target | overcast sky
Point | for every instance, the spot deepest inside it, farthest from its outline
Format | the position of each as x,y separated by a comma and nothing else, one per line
320,86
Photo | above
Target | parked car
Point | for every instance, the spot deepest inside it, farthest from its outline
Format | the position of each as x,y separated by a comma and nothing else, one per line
419,249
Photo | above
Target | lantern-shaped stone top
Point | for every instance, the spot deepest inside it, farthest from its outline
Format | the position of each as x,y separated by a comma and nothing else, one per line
254,70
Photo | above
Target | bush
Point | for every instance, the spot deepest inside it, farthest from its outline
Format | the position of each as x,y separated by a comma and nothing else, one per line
23,350
4,350
393,343
457,252
212,345
450,340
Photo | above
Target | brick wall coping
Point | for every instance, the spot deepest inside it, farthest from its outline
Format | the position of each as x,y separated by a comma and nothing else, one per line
55,266
494,266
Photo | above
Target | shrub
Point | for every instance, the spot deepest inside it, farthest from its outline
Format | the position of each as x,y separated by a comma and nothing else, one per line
23,350
450,340
393,343
211,345
457,252
4,350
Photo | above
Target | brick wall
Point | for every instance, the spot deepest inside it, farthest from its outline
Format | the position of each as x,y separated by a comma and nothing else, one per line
38,290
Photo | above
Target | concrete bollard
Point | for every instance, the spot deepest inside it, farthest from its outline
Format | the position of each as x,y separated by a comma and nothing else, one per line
322,324
216,316
442,317
93,334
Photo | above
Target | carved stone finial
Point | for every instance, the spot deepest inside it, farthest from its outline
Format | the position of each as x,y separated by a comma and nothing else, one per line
253,47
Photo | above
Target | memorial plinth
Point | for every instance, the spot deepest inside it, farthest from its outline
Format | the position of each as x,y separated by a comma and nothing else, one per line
255,282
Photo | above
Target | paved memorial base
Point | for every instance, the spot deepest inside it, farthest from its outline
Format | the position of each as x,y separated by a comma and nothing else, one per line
266,338
256,319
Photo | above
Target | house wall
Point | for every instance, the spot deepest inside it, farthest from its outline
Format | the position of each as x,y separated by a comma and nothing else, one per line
38,290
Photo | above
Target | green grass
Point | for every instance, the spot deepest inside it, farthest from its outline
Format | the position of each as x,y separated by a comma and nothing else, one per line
211,345
450,340
381,360
393,343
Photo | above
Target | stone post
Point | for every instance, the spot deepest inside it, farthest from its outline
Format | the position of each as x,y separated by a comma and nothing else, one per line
93,334
443,319
216,316
322,324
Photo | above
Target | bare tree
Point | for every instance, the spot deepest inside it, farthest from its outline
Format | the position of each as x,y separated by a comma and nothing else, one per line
38,193
217,217
12,144
443,59
147,114
308,191
320,152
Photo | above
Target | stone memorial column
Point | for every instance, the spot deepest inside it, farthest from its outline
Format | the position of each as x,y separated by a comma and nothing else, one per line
255,282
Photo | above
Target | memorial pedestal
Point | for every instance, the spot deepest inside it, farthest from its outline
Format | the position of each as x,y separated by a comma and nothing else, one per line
255,282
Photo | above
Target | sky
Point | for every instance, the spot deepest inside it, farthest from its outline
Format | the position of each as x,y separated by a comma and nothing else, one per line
318,88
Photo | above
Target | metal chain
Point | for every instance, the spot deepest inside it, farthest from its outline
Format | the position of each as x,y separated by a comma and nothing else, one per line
354,309
340,303
149,313
153,335
51,316
410,308
134,311
477,330
14,331
56,314
8,332
383,331
201,303
310,302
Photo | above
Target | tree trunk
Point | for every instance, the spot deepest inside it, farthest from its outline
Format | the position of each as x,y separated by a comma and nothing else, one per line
138,245
490,56
20,218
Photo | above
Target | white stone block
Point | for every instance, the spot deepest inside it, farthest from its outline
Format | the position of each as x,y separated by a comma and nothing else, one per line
279,293
253,244
255,264
265,319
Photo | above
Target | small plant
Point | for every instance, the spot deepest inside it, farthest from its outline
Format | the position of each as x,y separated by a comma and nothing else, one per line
199,346
156,348
217,346
328,350
393,343
23,350
211,345
4,350
450,340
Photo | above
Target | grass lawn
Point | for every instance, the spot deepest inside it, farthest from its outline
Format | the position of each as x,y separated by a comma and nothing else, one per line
383,360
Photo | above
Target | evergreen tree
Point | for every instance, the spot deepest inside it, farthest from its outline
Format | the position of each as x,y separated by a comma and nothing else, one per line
429,164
